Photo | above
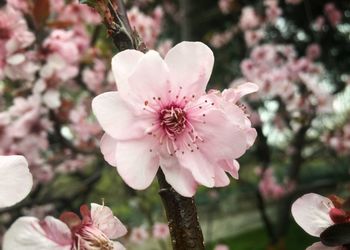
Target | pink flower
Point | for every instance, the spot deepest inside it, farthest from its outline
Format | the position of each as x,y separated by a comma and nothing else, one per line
148,27
161,115
315,213
320,246
269,187
293,1
252,37
273,12
138,235
160,231
313,51
333,14
15,180
221,247
94,231
225,6
249,19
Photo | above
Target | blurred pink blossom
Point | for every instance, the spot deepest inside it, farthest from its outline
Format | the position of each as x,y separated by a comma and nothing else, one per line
269,187
313,51
252,37
160,231
333,14
294,1
148,27
225,6
249,18
221,247
139,235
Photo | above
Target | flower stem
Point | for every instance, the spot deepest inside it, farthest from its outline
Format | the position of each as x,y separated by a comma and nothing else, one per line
181,212
185,231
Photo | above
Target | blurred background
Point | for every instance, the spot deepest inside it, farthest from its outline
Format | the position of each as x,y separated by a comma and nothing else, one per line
55,57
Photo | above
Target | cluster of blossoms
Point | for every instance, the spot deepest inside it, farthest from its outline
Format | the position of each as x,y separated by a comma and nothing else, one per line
171,121
94,231
53,68
327,218
280,73
340,140
148,27
251,23
269,186
160,231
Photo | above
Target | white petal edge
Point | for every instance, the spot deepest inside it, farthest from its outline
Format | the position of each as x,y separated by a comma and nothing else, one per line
26,234
311,213
103,218
190,65
16,180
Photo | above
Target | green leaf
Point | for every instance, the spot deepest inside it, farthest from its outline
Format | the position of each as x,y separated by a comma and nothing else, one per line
336,235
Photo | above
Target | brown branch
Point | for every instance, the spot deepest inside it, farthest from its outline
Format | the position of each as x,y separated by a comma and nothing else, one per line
185,231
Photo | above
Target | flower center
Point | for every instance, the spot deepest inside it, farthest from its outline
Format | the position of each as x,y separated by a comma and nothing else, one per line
91,238
173,120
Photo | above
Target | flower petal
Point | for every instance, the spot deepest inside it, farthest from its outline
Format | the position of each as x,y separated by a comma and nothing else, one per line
108,147
221,138
311,212
123,64
231,167
138,161
200,167
190,65
178,177
149,81
26,233
320,246
103,219
116,118
234,94
15,179
221,178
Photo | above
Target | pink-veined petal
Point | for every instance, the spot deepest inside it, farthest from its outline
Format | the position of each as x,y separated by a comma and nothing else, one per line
251,136
311,212
178,177
108,147
203,171
234,94
138,161
15,180
221,138
231,167
103,218
116,118
221,178
320,246
190,65
148,82
123,64
26,233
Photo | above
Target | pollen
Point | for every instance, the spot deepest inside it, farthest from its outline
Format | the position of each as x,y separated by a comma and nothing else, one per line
173,120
